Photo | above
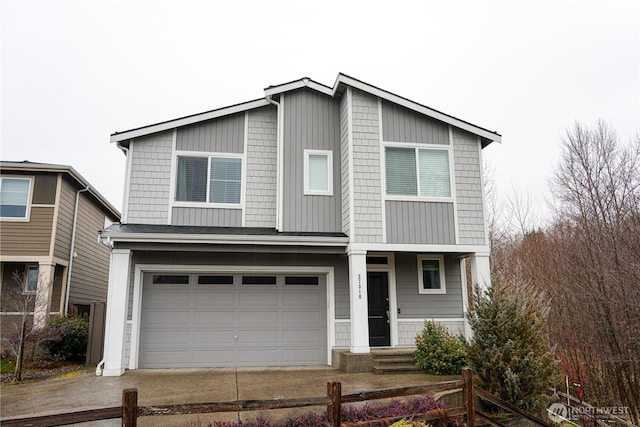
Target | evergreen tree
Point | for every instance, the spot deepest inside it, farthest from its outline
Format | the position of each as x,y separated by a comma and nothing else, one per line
510,351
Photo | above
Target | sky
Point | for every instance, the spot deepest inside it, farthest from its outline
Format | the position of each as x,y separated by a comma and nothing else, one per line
73,72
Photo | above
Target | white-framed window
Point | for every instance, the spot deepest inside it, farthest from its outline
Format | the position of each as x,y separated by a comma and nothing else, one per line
417,172
215,179
15,194
431,275
318,172
31,279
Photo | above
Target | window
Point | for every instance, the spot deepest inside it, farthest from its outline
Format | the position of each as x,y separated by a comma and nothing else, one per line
209,179
431,275
170,279
258,280
215,280
301,280
421,172
318,172
14,197
31,284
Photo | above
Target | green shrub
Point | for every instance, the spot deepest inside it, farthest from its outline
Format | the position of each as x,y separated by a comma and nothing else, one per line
439,352
69,335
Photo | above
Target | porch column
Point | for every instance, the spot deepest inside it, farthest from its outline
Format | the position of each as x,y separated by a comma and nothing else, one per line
43,294
480,270
116,322
358,301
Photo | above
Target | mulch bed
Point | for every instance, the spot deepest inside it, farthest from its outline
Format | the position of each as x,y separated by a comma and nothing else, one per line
40,370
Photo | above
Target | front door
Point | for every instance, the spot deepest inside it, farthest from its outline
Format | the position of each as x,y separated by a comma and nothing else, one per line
378,295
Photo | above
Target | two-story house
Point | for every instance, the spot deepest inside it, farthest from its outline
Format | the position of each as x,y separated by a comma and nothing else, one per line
271,232
49,222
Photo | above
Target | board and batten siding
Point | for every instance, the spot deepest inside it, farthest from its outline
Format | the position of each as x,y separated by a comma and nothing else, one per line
420,222
400,124
311,121
412,305
222,135
206,217
149,181
468,173
90,271
262,179
367,198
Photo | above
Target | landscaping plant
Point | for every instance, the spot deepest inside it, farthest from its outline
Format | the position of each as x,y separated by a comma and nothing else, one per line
70,338
438,352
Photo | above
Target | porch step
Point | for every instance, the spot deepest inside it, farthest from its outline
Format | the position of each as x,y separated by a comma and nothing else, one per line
394,361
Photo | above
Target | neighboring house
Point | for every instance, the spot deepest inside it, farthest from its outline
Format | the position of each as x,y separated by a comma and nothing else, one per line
271,232
49,222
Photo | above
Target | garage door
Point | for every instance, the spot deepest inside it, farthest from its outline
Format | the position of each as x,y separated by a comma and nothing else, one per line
215,320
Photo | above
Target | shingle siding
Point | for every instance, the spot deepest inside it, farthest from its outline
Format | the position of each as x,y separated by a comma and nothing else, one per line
468,174
150,179
262,180
367,201
344,155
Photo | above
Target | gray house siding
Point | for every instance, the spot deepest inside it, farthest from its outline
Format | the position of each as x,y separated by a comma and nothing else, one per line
403,125
468,172
420,222
149,186
413,305
367,198
311,121
206,217
262,180
224,135
344,155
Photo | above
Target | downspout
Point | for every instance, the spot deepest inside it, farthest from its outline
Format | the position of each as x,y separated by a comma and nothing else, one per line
279,172
73,245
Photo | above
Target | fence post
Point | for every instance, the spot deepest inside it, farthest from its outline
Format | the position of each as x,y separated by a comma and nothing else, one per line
130,407
467,396
334,391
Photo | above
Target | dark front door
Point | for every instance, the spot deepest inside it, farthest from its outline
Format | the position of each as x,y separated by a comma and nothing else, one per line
378,295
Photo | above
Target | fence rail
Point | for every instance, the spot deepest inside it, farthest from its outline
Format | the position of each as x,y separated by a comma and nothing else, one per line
130,411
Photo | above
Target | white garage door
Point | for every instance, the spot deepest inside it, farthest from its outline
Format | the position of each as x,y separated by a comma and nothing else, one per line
215,320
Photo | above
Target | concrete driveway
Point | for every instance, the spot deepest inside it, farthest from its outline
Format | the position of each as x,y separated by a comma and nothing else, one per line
171,386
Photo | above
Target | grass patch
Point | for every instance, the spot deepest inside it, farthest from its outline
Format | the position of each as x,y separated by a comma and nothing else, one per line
7,365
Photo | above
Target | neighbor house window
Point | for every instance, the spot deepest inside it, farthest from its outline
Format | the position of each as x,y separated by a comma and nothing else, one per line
431,275
31,283
215,179
420,172
14,197
318,172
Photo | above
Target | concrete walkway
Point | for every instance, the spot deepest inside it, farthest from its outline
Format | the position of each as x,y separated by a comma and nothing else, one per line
171,386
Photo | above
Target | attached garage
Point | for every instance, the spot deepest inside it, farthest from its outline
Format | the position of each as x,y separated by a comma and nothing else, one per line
232,319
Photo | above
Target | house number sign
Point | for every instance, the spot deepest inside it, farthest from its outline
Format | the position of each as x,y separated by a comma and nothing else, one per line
359,287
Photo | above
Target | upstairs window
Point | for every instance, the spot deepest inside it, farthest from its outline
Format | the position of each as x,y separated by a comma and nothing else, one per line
214,179
318,172
419,172
14,197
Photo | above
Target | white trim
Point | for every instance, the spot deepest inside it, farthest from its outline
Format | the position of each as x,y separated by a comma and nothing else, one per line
172,176
298,84
402,247
225,239
140,269
383,175
454,190
29,205
34,259
280,193
352,213
443,286
329,155
415,107
434,319
342,320
159,127
243,182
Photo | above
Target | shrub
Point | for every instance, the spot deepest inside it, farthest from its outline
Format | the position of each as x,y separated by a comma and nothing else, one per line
69,340
438,352
510,351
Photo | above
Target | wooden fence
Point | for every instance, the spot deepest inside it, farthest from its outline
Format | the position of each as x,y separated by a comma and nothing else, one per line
129,411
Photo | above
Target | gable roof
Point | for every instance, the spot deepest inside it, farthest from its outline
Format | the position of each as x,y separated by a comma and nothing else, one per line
27,166
341,82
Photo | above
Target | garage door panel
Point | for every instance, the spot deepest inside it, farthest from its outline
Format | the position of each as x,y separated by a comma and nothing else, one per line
212,325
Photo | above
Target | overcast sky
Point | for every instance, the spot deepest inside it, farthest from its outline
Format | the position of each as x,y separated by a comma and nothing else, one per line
74,72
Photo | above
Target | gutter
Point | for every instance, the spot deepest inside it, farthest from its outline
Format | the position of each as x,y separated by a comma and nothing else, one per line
72,254
279,156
